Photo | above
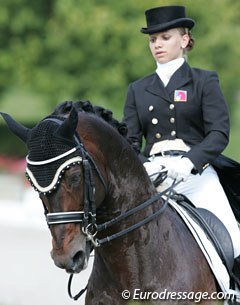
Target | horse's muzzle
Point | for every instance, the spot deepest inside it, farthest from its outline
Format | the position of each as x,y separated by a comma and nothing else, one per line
74,260
74,264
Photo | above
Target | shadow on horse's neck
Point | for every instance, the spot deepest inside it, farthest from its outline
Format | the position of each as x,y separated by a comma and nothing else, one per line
127,181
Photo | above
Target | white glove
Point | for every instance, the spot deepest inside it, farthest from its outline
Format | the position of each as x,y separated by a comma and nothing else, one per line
181,169
153,169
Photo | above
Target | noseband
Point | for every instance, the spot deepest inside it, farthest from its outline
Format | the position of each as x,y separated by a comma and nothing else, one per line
87,217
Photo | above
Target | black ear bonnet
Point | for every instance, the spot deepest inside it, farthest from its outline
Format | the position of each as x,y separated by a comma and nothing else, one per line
53,145
49,153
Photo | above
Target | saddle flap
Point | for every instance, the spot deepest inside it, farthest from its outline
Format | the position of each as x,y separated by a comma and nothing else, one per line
221,233
213,228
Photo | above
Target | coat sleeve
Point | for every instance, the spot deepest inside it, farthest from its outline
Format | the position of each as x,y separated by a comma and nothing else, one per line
132,120
216,124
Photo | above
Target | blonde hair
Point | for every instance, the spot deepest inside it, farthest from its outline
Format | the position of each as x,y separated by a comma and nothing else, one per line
191,43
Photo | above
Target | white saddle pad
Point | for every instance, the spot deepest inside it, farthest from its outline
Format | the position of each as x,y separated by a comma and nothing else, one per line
211,255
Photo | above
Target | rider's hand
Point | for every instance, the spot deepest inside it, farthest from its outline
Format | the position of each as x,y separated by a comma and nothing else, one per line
153,169
181,169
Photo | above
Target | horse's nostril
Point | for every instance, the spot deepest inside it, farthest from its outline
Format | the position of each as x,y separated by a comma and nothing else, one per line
79,258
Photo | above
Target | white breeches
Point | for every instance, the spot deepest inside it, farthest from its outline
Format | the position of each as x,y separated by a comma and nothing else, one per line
205,191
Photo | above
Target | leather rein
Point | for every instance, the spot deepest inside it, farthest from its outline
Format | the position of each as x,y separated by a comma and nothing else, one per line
87,217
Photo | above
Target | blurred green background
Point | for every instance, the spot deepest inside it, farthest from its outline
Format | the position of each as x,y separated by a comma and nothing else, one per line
57,50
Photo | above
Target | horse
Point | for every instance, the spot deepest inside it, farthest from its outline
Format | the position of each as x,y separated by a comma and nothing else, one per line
92,183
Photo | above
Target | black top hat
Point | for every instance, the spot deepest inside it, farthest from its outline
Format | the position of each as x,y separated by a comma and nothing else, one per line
166,17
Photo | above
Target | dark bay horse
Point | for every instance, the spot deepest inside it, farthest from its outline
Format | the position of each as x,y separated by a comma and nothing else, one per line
80,165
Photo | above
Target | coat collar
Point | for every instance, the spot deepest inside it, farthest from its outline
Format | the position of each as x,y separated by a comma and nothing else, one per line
179,78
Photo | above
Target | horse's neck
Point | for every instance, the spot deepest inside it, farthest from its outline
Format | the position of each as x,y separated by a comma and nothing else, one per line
136,255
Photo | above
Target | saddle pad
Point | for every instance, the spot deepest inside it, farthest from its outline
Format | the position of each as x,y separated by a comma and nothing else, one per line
211,255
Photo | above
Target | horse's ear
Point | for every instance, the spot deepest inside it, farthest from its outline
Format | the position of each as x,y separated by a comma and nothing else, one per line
68,127
18,129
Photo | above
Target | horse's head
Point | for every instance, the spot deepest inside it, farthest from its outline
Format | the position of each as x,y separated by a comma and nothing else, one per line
59,168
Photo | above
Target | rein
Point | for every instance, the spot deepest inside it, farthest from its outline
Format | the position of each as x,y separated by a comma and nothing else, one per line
138,208
87,217
99,242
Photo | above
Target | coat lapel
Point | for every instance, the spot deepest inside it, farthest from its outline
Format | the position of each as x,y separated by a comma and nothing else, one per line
179,79
156,87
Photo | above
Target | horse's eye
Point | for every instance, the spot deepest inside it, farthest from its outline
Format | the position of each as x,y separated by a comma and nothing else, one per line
74,179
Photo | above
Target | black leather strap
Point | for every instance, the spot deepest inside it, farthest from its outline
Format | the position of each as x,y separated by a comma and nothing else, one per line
171,153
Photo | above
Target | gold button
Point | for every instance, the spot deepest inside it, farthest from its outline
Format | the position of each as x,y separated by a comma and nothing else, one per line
154,121
157,135
172,120
173,133
172,106
150,108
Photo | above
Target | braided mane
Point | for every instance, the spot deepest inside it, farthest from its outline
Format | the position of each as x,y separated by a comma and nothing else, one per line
86,106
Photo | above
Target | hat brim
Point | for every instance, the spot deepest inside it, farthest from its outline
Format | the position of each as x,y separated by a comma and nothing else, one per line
182,22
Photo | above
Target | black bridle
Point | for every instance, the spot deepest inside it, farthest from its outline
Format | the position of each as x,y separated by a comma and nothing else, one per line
87,217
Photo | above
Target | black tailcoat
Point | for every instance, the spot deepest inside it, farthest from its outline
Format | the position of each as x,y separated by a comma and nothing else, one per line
201,120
